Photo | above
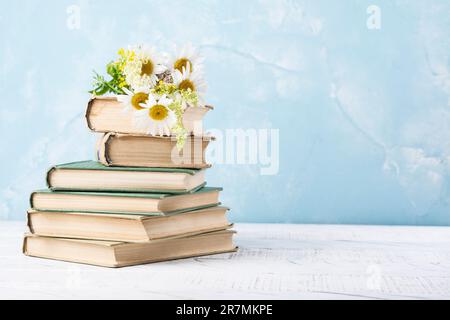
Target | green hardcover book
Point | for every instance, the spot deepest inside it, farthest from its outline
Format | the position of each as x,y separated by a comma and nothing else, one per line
123,227
124,202
119,254
94,176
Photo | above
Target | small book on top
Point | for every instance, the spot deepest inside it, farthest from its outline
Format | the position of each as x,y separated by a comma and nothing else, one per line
105,114
94,176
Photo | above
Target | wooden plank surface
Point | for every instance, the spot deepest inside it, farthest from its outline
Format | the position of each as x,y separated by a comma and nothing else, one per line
274,262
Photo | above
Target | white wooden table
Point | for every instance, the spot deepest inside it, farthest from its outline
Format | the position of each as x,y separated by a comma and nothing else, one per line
274,262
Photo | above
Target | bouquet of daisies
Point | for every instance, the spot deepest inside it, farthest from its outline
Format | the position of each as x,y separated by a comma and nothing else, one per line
156,87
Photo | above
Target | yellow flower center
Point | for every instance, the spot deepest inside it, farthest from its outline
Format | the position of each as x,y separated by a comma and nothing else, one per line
158,112
147,68
182,63
186,84
137,99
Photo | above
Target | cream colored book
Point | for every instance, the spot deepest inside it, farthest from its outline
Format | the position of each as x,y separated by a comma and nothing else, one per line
94,176
120,254
148,151
129,228
105,114
157,204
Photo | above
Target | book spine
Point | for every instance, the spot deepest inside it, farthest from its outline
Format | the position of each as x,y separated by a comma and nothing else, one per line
25,245
88,112
89,107
29,223
103,149
32,200
48,176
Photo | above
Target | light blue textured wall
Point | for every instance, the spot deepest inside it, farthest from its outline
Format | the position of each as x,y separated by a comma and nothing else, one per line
364,115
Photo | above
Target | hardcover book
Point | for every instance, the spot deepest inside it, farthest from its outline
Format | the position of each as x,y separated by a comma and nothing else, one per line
124,203
120,254
105,114
129,228
148,151
94,176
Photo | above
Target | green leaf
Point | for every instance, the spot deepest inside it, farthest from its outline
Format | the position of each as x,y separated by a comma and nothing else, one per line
102,90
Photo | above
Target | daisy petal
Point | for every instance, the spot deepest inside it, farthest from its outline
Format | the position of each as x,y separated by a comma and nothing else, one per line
151,101
128,92
153,131
164,100
160,69
122,98
166,131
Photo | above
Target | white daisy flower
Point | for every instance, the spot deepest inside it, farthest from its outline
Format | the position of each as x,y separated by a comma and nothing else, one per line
186,80
156,117
141,71
132,99
186,56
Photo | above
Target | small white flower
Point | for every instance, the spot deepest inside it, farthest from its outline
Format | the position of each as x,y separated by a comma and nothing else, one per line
156,117
132,99
184,57
187,80
141,71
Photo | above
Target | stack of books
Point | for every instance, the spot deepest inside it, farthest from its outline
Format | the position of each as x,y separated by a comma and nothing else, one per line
142,201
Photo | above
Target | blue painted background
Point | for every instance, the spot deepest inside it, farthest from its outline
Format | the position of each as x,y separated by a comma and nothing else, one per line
364,115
